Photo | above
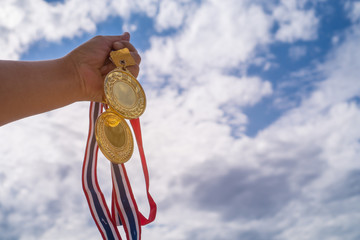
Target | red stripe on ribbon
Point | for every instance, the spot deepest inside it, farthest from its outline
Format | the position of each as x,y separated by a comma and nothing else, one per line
135,123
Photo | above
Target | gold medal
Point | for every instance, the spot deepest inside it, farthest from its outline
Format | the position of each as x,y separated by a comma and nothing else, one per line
114,137
126,99
124,93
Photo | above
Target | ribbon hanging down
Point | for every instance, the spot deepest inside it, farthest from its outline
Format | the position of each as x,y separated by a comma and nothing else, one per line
124,210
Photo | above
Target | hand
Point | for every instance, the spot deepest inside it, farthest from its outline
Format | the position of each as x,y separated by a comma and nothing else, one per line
32,87
92,63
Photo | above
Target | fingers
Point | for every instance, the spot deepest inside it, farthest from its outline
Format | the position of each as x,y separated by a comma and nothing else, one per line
124,44
124,37
120,42
134,69
107,42
109,66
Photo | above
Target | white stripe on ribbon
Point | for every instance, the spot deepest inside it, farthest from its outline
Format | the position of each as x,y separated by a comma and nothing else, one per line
131,200
92,151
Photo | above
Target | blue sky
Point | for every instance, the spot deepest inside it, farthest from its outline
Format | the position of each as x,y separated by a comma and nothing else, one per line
251,129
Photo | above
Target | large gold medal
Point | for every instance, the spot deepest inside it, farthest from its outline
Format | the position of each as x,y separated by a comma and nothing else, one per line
126,99
124,93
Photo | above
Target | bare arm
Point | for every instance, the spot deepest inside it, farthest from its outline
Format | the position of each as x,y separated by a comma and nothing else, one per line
28,88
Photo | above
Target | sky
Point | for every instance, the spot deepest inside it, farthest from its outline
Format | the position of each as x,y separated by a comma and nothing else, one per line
251,130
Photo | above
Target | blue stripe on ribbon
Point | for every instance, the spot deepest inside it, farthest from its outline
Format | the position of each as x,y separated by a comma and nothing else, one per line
125,202
99,210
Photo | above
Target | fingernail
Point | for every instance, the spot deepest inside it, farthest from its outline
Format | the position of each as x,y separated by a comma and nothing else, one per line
126,36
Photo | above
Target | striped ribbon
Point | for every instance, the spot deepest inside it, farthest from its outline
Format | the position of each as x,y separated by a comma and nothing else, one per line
124,210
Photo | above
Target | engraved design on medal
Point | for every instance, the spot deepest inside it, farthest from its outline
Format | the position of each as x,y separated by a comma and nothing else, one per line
124,94
114,137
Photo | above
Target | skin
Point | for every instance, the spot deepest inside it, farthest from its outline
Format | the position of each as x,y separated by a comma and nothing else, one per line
33,87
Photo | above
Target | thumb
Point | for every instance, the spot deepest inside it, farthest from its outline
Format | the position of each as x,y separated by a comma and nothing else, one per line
126,36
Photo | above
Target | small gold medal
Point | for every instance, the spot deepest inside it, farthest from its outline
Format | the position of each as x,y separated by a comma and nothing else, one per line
126,99
114,137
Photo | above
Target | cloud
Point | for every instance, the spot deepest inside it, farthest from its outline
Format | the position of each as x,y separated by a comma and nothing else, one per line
209,40
246,195
41,171
281,177
36,20
295,22
337,192
353,9
22,23
171,14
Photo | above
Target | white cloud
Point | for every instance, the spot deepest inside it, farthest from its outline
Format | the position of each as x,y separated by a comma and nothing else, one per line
35,20
25,22
317,146
297,159
11,16
41,167
214,38
222,36
171,15
295,23
342,71
353,9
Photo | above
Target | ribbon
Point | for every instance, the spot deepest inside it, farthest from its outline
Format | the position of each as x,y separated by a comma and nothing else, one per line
135,123
124,210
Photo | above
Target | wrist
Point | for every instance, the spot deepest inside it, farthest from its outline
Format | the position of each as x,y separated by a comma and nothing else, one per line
75,82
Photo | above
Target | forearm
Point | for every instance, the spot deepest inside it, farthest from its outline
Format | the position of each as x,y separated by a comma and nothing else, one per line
28,88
